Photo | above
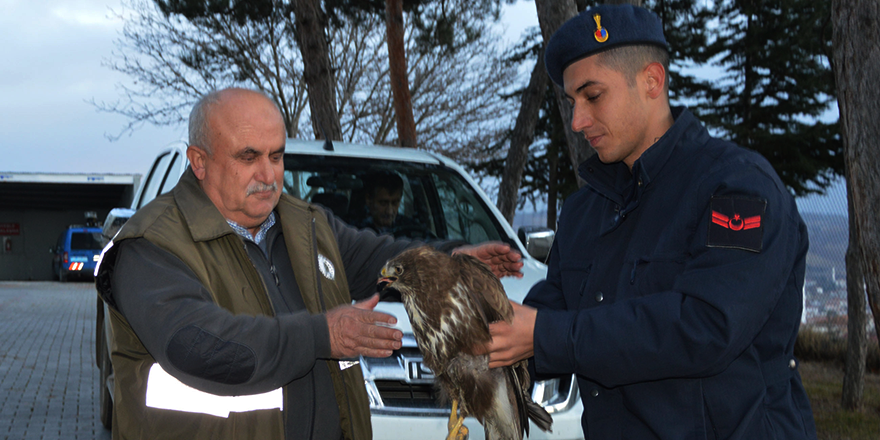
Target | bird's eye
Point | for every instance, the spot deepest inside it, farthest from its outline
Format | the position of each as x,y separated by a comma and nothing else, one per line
398,270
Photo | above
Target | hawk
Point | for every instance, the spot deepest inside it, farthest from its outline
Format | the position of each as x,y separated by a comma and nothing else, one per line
450,300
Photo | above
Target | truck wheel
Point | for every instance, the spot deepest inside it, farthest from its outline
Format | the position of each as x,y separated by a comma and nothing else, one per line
62,275
106,398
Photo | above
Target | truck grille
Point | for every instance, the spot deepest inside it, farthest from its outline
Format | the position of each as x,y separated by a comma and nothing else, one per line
400,384
399,394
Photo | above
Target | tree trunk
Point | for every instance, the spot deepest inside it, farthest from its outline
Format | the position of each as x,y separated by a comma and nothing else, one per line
406,124
552,186
551,15
856,42
520,140
857,336
309,23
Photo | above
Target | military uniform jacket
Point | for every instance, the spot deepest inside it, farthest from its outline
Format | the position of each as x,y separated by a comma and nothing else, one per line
674,294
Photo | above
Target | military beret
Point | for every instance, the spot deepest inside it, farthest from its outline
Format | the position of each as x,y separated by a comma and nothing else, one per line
600,28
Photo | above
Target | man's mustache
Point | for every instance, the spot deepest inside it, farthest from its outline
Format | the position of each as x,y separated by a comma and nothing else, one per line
260,187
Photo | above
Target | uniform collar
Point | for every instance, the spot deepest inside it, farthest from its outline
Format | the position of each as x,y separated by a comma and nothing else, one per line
615,180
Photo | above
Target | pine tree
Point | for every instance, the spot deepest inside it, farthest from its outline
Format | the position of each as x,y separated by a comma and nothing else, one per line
687,35
777,81
549,176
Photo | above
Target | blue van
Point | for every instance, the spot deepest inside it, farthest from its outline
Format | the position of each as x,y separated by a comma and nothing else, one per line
77,252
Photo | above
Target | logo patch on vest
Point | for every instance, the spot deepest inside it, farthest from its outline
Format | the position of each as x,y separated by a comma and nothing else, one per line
737,222
326,267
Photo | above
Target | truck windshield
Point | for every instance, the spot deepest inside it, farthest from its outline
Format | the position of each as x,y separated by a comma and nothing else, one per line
86,241
432,201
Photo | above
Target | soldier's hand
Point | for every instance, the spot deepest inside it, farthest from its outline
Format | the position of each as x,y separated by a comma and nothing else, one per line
512,342
358,330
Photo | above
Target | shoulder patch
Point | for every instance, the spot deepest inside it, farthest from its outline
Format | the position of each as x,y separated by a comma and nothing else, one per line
736,222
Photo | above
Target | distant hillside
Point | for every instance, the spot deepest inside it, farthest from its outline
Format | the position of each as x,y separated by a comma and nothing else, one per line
828,242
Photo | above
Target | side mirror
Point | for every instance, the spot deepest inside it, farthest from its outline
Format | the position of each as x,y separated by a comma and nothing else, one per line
537,240
114,221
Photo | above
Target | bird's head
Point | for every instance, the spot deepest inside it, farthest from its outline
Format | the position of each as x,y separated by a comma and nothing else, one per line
390,273
402,275
389,283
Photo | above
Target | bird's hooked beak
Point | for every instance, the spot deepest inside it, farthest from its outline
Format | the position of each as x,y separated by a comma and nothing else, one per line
384,282
388,277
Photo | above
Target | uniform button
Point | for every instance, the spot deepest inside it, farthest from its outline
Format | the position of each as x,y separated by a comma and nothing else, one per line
594,392
792,364
640,182
599,297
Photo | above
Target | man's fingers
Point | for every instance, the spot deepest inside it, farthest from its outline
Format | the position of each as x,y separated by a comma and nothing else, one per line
379,317
369,303
481,349
508,269
500,257
356,331
511,342
381,332
376,353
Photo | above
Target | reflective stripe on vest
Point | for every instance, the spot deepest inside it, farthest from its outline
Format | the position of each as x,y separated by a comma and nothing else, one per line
164,391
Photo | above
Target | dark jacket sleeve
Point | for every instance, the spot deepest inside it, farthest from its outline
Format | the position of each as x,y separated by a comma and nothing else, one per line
202,344
720,301
364,253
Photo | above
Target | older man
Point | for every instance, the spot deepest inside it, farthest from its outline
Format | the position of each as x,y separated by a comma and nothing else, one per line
674,286
226,287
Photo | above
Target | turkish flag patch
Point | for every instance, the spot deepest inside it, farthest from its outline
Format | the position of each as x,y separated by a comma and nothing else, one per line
737,222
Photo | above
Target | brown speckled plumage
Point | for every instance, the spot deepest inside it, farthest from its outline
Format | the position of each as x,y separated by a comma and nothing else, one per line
450,301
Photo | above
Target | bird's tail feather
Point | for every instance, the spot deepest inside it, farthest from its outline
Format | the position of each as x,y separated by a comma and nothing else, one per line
527,408
540,416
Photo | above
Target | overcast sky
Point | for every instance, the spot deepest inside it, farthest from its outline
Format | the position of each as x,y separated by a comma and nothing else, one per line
50,68
51,52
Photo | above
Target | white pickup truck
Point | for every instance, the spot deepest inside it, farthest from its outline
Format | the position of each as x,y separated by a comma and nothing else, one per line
446,203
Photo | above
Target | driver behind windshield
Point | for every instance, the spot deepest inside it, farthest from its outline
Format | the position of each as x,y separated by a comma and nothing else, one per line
383,191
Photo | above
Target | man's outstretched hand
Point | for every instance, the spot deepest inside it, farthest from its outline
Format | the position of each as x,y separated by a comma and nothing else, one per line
354,330
503,260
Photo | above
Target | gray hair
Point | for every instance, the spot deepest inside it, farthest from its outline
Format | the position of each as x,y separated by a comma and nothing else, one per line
198,121
198,117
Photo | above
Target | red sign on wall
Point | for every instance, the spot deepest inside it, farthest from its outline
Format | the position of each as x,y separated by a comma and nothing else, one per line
10,229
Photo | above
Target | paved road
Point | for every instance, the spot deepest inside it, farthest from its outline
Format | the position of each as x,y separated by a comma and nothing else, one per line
48,378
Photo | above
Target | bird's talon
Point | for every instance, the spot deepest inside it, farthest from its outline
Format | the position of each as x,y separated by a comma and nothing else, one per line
453,416
457,430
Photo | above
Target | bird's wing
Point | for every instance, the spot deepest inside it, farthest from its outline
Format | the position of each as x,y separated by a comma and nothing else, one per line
518,395
485,289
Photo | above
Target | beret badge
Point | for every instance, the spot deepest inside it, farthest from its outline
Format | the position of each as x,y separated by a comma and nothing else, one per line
601,33
589,33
